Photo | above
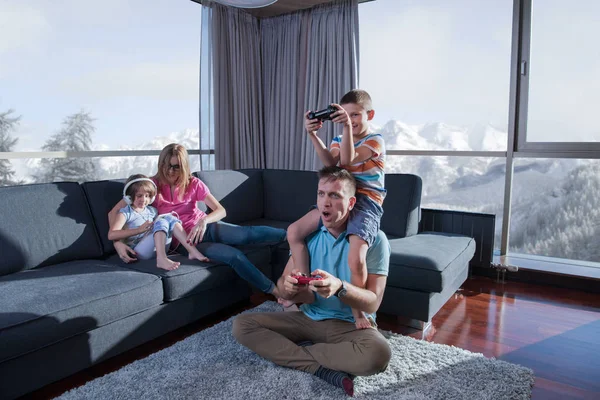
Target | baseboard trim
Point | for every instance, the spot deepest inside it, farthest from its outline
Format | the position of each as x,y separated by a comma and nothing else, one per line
585,284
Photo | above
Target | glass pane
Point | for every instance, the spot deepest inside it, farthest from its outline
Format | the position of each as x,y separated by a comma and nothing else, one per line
38,170
564,81
131,66
438,71
556,209
473,184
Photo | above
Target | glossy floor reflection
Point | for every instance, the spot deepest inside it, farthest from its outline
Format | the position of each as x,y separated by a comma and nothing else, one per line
556,332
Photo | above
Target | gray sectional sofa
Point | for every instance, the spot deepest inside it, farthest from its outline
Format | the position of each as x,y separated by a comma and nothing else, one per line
68,301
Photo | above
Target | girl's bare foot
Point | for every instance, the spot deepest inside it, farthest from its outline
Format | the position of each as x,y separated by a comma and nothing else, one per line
167,264
288,305
194,254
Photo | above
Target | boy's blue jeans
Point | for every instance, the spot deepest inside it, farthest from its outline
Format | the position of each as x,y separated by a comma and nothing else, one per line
218,237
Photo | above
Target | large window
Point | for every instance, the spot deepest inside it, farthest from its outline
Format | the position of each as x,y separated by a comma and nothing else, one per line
97,76
556,211
470,77
439,76
474,184
438,72
564,72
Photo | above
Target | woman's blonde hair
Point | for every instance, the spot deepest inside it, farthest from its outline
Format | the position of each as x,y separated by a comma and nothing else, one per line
164,160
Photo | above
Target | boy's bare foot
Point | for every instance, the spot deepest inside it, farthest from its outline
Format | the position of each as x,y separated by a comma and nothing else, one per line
288,305
165,263
361,321
196,255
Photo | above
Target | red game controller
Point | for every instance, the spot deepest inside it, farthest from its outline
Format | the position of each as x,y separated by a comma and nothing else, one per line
305,280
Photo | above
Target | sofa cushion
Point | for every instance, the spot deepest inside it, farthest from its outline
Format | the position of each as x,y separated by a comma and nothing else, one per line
429,260
401,207
45,305
240,192
289,194
193,276
102,197
44,224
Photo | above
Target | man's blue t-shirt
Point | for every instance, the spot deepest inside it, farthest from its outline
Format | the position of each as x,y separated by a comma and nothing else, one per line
331,254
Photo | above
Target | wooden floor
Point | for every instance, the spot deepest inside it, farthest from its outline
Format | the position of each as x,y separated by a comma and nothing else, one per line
554,331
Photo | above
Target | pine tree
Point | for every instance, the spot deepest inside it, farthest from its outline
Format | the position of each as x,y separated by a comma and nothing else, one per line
7,125
75,135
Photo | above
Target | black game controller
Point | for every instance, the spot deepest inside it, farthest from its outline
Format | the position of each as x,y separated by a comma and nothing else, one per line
323,115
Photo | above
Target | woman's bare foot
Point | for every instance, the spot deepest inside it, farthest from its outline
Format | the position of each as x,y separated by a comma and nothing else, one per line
288,305
360,320
194,254
167,264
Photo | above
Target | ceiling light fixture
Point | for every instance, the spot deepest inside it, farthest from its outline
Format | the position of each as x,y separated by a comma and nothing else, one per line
246,3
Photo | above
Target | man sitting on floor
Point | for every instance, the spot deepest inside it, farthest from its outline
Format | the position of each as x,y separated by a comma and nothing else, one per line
321,338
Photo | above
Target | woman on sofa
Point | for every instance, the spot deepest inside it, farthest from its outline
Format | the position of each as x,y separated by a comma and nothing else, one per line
178,191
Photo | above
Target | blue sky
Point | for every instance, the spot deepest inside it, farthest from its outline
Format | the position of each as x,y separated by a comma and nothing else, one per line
134,65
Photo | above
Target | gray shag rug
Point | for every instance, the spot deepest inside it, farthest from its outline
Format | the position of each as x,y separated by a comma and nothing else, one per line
212,365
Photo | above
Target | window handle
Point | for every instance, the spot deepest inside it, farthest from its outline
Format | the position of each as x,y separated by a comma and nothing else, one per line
523,67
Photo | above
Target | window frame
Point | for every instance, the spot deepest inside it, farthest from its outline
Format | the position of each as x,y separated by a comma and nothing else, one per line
590,150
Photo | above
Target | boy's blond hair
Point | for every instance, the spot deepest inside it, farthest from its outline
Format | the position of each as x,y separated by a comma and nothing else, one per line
358,96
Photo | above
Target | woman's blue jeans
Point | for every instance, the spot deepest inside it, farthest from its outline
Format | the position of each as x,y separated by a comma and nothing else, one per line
218,237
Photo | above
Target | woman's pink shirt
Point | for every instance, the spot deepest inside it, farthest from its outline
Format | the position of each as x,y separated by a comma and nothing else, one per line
186,208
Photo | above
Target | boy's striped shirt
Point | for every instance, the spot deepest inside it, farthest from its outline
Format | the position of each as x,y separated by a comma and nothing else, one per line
369,174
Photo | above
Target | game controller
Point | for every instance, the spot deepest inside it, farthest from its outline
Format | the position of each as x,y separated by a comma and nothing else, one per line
305,280
322,115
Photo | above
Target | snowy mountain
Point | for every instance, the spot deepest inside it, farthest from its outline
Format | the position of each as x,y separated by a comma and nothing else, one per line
122,167
441,136
442,171
564,221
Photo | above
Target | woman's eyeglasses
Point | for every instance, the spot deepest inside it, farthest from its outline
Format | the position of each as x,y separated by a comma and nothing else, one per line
174,167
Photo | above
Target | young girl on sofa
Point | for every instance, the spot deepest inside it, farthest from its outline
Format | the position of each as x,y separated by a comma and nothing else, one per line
141,228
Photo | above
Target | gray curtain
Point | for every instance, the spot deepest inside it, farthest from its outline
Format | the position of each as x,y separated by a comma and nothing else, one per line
233,88
266,73
310,60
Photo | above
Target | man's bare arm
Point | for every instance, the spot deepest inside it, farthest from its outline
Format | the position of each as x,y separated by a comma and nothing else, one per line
367,299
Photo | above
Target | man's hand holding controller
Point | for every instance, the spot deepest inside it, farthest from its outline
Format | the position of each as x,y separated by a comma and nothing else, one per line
321,282
327,286
290,283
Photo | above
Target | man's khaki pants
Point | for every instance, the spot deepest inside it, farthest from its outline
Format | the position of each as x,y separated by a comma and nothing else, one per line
338,345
